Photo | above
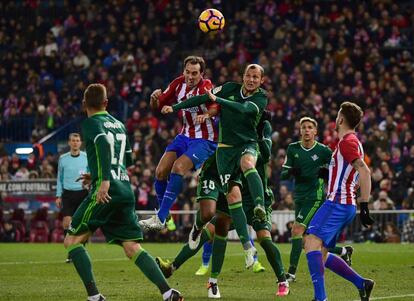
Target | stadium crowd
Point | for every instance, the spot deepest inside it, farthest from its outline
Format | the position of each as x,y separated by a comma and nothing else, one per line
315,56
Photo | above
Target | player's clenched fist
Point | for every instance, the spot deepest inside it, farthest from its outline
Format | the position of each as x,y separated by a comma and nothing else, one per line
167,109
154,99
202,118
211,95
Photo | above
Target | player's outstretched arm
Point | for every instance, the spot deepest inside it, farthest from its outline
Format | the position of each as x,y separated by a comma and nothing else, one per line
191,102
365,186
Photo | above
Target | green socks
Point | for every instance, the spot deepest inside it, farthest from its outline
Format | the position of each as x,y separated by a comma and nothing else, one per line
336,250
149,267
240,222
255,186
295,254
274,258
186,253
82,263
219,250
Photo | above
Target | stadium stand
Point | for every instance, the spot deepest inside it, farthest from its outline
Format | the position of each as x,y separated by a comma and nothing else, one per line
315,56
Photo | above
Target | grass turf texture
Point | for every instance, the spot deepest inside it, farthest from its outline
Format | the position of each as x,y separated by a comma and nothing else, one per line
38,272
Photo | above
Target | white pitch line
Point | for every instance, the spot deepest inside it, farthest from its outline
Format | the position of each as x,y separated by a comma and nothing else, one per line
61,261
390,297
93,260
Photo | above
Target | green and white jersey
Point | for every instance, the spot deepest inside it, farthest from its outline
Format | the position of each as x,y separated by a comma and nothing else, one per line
239,114
308,187
238,126
109,153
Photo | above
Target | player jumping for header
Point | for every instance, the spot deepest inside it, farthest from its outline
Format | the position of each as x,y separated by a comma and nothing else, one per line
242,106
194,145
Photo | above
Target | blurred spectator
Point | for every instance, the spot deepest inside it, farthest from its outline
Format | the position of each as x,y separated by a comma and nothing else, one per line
391,233
383,202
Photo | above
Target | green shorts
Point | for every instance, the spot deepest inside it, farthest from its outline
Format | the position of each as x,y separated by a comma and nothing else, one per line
209,186
228,162
304,211
117,220
248,208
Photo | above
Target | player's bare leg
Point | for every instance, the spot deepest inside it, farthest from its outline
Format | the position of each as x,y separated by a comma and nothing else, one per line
65,224
248,167
205,213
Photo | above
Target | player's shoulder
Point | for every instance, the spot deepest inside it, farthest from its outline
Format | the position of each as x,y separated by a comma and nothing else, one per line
349,140
178,80
295,144
261,93
83,154
64,155
322,146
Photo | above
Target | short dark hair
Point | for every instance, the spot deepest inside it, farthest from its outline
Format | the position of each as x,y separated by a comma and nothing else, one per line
352,113
94,96
74,135
194,60
308,119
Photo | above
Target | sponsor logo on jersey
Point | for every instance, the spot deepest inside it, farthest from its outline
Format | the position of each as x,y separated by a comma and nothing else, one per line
315,157
191,110
112,125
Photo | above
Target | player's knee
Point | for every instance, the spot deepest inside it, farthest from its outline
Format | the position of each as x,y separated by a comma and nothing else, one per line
247,163
297,230
181,166
131,249
312,243
161,173
207,215
69,241
263,234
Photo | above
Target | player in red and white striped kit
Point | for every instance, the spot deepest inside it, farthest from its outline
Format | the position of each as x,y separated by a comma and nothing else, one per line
194,145
347,172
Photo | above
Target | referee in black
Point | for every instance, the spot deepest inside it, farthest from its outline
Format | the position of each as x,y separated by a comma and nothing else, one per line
69,192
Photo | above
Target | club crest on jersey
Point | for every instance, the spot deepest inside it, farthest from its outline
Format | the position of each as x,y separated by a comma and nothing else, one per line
207,191
315,157
217,89
296,155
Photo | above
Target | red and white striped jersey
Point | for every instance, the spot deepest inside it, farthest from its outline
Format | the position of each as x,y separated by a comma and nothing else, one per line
177,92
343,177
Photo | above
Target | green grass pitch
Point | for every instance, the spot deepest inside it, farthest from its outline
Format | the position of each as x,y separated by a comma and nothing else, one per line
38,272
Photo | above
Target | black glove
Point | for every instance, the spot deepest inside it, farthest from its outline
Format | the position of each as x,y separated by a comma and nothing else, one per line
366,220
294,171
323,173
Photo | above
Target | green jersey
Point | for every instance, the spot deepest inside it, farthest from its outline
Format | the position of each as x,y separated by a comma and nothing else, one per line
109,153
308,187
239,114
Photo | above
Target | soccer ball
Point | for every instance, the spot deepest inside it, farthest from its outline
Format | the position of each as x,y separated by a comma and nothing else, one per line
211,20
